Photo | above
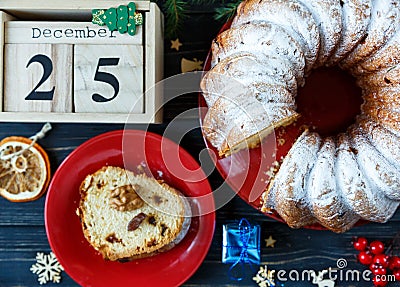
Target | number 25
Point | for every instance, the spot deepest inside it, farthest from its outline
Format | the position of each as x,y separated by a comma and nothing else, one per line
47,65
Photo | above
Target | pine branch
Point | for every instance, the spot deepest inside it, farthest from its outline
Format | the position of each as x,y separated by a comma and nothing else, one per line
207,2
175,13
227,11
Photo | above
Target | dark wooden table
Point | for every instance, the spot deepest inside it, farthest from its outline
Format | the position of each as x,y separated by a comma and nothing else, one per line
22,230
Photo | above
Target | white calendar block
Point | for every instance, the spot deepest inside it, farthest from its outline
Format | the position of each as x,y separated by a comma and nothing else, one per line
108,79
37,78
112,70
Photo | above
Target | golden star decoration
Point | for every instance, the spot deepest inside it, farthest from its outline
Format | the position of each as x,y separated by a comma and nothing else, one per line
175,44
270,242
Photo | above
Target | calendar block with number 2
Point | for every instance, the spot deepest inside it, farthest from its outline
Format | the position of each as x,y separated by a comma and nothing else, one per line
35,77
75,71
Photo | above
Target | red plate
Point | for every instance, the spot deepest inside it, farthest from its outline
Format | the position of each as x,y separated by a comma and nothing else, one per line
63,227
328,103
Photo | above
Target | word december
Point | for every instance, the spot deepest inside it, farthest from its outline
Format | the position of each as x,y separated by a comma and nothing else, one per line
71,33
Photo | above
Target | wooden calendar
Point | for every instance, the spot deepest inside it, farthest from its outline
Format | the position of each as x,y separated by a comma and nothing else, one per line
60,67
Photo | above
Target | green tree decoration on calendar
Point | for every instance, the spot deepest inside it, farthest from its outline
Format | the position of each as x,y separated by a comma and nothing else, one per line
124,18
175,11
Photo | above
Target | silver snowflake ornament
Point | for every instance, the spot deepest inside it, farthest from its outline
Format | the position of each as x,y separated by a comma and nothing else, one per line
47,268
265,277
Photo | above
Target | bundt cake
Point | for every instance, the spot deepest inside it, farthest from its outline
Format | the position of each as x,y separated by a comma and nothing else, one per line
257,66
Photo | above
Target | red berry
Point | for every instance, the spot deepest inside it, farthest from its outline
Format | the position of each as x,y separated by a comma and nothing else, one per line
394,262
376,247
396,273
379,281
365,258
381,259
374,266
379,271
360,243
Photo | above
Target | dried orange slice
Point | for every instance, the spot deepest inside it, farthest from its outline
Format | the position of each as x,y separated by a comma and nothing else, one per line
24,170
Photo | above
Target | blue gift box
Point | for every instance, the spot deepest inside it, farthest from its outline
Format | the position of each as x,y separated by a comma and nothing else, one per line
241,243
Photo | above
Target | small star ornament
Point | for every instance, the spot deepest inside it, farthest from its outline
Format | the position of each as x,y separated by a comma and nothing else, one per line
47,268
175,44
270,242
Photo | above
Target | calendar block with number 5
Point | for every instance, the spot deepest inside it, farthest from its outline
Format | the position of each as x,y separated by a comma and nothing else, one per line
108,78
63,63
